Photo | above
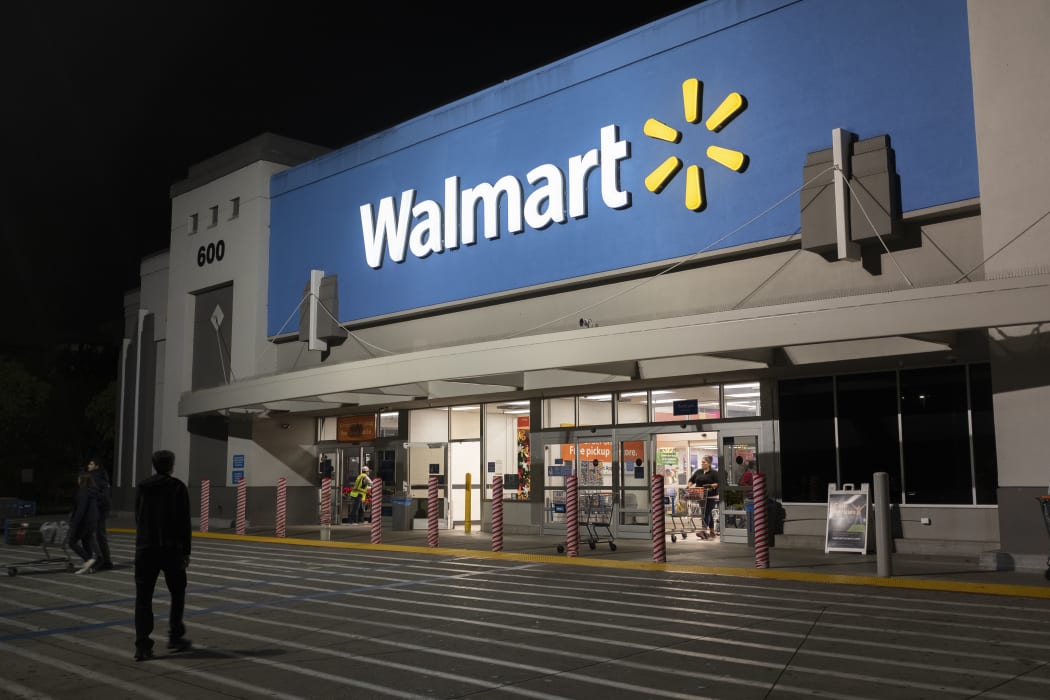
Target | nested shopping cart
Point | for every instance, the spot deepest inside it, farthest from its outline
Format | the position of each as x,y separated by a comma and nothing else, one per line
39,531
596,513
1044,504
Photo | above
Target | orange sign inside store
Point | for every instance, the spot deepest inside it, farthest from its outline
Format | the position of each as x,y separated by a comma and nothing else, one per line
355,428
602,451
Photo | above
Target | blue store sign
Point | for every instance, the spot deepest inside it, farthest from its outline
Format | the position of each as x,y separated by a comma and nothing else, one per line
673,139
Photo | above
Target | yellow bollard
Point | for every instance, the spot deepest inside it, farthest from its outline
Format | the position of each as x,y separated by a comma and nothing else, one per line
466,509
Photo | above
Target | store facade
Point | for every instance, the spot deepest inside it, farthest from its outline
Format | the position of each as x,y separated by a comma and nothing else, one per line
750,229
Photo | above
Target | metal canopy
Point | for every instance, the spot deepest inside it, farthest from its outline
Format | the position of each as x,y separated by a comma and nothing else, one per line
800,328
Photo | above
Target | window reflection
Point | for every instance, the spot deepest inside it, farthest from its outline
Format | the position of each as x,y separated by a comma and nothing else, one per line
742,400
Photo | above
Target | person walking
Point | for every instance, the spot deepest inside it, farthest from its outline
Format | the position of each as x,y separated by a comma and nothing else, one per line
162,543
707,479
83,524
102,491
357,496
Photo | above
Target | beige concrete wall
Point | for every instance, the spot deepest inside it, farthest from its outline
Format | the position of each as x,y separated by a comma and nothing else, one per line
1010,55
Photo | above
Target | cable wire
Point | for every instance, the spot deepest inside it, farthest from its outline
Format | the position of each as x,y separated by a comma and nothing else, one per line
874,230
678,263
1026,229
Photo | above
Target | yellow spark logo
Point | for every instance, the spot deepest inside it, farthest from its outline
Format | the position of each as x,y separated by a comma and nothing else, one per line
657,180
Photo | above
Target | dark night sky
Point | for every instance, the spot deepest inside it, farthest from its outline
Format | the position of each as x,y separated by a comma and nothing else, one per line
106,104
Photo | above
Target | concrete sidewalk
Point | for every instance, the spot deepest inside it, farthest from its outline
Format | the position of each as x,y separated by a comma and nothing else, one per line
948,572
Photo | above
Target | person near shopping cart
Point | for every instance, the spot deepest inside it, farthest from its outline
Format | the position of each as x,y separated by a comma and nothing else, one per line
83,523
707,479
102,490
362,484
163,536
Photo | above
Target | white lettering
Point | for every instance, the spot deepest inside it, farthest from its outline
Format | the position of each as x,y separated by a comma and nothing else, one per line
451,212
426,235
384,227
551,193
489,195
436,228
613,151
579,167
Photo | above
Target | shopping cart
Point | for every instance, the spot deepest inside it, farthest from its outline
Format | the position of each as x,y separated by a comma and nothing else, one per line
38,531
596,514
675,517
1044,503
597,509
695,500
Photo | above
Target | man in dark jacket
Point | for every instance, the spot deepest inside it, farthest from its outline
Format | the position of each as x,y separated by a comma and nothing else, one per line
162,543
102,490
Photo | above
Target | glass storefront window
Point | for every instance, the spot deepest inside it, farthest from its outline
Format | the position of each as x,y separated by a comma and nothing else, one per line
946,432
867,411
428,425
559,413
595,409
689,403
807,438
326,431
743,400
389,424
935,436
985,465
465,422
632,407
507,448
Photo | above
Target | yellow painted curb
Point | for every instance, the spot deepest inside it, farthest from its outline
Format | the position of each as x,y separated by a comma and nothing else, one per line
911,583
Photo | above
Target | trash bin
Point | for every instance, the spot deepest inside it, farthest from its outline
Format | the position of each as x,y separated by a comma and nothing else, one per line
401,510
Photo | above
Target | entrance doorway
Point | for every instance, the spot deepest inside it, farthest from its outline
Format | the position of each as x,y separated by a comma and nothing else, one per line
427,459
739,451
617,469
450,462
678,456
342,464
591,461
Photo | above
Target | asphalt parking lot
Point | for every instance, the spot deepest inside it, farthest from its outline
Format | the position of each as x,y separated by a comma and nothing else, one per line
345,619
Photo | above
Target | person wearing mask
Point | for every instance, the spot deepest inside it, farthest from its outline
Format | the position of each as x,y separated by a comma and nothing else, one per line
357,496
163,538
83,524
706,479
103,490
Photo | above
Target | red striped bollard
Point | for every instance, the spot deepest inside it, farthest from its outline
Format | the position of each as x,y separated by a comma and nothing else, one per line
497,514
242,503
572,516
377,511
326,508
432,512
205,504
761,526
657,518
326,501
282,507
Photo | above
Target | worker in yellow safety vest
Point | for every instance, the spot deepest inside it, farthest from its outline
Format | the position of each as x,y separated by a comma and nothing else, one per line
357,496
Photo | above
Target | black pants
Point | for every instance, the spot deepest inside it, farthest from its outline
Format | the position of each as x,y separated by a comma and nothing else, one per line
84,542
148,565
102,550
